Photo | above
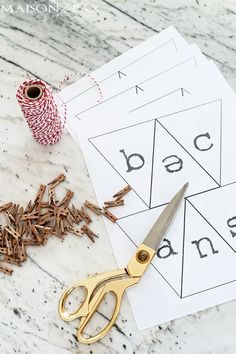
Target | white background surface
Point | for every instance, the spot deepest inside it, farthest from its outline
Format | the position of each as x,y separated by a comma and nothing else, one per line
51,46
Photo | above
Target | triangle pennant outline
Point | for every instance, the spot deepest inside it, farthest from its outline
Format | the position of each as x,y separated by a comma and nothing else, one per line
220,135
219,189
166,276
131,240
194,161
147,204
187,202
189,154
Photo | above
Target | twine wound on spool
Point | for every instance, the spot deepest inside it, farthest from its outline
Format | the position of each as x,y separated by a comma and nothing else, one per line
40,109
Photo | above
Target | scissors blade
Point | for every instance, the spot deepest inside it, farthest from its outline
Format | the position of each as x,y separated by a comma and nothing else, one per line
156,234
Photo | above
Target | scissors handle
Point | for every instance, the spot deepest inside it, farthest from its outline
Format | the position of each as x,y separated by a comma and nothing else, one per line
117,287
89,284
135,269
98,286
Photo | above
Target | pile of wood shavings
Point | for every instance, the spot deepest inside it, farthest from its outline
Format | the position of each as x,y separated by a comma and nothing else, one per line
34,224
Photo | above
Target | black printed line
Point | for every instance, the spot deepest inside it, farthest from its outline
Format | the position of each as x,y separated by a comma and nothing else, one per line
174,42
228,184
127,235
187,197
103,101
117,130
183,90
151,263
123,68
220,140
116,171
121,73
149,120
133,87
208,289
138,88
189,154
202,192
156,99
137,212
182,270
211,226
142,211
170,41
153,156
187,109
211,189
186,91
133,125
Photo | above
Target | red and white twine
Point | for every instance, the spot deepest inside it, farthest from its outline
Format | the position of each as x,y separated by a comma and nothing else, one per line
42,115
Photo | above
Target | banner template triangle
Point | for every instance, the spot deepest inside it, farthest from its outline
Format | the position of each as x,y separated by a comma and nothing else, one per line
129,151
168,261
208,262
173,166
198,130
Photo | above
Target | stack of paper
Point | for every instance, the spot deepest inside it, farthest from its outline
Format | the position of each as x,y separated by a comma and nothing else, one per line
167,117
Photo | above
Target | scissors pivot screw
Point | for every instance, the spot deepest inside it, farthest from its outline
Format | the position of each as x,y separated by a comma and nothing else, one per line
142,256
118,281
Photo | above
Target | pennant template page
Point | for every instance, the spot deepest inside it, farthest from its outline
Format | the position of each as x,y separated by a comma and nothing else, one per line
158,51
176,127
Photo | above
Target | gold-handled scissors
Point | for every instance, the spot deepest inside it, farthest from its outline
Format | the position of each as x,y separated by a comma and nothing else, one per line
118,281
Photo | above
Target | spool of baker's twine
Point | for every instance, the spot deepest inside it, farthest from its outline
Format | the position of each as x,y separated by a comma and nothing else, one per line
40,109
